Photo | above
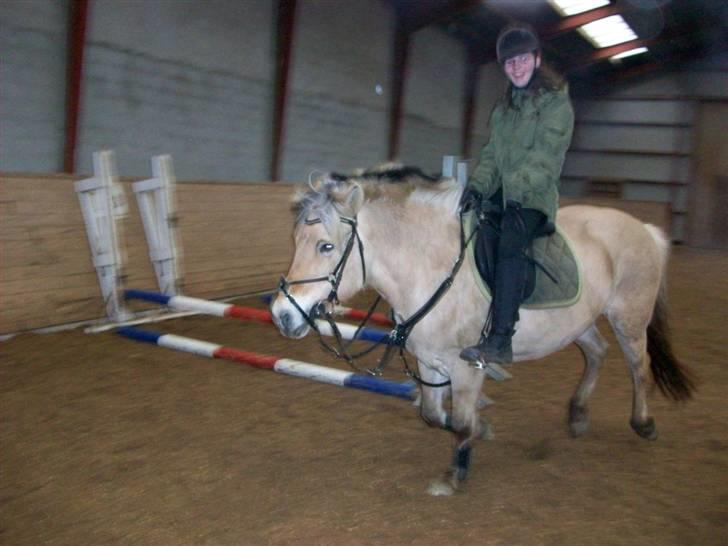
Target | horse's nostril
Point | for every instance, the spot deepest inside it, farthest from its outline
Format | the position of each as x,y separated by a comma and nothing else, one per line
285,320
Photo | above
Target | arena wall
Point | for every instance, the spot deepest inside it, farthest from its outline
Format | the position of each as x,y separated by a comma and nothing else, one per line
235,239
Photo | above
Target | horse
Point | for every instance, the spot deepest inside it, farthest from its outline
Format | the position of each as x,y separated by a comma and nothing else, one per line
406,226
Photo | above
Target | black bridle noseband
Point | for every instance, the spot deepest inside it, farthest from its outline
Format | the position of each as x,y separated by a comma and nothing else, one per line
401,331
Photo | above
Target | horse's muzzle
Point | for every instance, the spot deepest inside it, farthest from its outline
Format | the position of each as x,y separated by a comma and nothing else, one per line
289,319
290,324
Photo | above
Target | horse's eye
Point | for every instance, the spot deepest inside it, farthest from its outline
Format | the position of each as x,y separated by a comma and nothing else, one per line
325,248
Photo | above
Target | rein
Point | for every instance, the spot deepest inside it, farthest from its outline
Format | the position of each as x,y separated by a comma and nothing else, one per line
401,331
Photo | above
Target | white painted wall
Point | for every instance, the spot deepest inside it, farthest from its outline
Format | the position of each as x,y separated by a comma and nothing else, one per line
32,84
656,116
195,79
192,79
336,120
634,137
702,80
492,84
433,100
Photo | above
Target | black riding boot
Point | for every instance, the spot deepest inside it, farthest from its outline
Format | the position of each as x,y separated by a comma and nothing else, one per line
510,279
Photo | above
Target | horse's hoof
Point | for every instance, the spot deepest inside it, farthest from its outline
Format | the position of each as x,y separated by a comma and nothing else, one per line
646,430
578,419
440,488
578,429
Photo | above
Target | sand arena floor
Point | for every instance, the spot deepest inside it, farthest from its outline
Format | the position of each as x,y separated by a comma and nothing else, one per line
108,441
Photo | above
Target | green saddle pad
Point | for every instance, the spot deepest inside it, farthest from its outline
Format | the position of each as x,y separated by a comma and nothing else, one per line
553,253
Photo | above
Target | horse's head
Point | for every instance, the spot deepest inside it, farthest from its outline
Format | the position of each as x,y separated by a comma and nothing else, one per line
328,259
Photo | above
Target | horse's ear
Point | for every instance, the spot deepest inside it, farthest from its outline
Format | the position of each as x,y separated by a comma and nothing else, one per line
348,197
355,198
318,181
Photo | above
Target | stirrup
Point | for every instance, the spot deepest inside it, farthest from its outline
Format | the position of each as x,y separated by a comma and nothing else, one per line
479,364
496,348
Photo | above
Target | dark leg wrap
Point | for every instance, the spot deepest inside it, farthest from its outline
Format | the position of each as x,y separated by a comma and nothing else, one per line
461,462
578,419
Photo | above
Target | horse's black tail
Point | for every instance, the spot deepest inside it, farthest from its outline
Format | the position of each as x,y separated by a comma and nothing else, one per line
673,378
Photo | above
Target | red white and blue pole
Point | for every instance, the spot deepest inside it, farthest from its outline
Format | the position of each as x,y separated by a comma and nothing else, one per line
297,368
206,307
354,314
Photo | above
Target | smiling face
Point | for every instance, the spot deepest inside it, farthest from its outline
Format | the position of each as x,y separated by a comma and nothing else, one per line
520,69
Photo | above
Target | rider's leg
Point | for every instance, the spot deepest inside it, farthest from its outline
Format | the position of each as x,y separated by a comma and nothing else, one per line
489,235
518,227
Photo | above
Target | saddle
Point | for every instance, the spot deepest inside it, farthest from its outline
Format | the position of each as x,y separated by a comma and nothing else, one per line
553,277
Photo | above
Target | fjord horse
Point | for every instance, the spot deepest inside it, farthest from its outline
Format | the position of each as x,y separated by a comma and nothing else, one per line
407,229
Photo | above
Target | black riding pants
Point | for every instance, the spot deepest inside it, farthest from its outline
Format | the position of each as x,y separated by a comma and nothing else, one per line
514,228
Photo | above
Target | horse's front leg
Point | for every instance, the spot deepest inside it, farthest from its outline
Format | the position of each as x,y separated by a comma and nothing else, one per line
465,423
433,403
432,399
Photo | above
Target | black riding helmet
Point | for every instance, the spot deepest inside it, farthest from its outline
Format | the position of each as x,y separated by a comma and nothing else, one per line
516,40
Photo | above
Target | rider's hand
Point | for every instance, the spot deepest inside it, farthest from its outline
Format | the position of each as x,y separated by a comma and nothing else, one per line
470,200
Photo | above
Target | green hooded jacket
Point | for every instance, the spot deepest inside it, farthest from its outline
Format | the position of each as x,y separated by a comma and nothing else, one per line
529,136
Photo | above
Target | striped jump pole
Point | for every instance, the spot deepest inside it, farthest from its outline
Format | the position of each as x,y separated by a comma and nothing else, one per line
354,314
358,314
206,307
315,372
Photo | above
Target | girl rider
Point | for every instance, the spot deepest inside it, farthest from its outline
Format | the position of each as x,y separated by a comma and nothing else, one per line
518,172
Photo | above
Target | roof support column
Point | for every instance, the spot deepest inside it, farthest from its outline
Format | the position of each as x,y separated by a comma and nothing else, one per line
399,72
76,46
285,24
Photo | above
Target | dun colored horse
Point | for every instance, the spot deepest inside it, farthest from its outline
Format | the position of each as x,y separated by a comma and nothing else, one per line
405,234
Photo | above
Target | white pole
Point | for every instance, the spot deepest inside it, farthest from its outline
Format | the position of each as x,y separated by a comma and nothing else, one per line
448,166
102,204
156,201
462,173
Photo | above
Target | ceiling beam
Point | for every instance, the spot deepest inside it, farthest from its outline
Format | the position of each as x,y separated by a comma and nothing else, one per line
606,52
606,82
572,22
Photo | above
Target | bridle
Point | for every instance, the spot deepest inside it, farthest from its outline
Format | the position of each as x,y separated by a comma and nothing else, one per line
333,278
401,331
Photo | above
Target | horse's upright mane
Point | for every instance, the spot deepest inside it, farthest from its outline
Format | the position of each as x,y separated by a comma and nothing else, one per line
389,173
391,181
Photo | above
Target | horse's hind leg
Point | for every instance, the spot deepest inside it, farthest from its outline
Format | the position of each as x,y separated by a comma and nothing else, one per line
633,342
593,348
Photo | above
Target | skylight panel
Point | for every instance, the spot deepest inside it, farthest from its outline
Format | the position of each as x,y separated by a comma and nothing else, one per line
572,7
630,53
608,31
